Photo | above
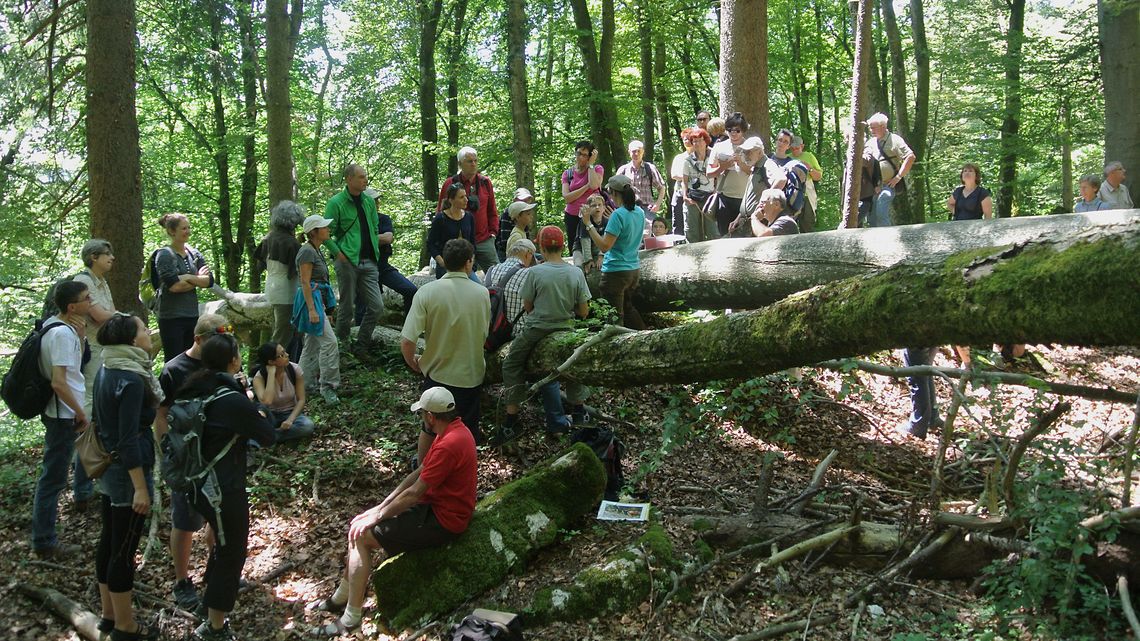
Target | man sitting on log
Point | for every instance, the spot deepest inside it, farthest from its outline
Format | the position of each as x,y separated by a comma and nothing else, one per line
430,508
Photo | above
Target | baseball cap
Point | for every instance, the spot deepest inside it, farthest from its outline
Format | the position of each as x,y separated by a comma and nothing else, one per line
635,144
316,221
518,207
752,142
551,237
522,193
436,400
617,182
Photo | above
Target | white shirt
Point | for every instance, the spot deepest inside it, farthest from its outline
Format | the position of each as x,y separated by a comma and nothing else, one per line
61,347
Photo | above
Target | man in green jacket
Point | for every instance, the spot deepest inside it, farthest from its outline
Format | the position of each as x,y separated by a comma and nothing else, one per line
356,250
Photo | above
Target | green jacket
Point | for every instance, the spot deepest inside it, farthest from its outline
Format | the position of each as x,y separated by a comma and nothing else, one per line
345,225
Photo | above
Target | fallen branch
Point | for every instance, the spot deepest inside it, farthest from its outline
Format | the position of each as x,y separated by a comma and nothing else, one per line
1042,424
797,506
1109,394
972,522
944,442
85,622
1127,498
1099,521
608,332
781,629
797,550
915,557
1126,604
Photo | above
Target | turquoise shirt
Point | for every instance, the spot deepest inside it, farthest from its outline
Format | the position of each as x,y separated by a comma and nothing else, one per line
629,226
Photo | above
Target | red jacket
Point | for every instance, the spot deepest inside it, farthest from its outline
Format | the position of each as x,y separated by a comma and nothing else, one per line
487,215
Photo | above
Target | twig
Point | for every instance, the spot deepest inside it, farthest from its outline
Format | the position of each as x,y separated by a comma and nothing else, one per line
799,549
1043,423
944,442
608,332
855,620
316,479
915,557
1126,604
1015,546
797,506
422,631
1007,378
276,572
783,628
152,533
1126,500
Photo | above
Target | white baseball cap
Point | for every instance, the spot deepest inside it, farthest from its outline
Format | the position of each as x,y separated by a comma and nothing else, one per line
436,400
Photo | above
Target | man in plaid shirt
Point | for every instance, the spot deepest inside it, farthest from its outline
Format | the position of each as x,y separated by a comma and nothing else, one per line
645,178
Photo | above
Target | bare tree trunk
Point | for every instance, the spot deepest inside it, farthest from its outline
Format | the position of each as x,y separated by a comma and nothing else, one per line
598,64
429,11
799,78
686,55
231,249
522,145
921,129
248,206
282,27
668,134
1119,24
1066,153
818,147
319,124
854,166
877,95
454,57
645,50
1011,117
113,169
744,62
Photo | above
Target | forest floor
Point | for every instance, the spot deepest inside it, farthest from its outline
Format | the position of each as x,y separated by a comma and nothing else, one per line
303,497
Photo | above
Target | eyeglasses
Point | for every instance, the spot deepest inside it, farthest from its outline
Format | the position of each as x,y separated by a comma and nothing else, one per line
84,299
583,152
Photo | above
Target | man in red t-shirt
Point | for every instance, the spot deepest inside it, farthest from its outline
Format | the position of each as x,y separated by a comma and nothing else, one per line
429,508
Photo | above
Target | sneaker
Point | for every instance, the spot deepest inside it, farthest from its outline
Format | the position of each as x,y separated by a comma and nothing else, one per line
206,633
185,595
58,552
329,396
911,430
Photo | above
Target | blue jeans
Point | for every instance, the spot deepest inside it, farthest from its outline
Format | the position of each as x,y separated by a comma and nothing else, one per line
924,412
59,455
881,208
302,426
556,418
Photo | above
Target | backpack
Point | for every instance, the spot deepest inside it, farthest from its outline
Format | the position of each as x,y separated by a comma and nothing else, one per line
149,287
261,370
609,450
499,329
49,308
487,625
797,173
25,389
183,467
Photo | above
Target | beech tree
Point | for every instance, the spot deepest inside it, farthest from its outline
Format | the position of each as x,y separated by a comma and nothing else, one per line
1119,23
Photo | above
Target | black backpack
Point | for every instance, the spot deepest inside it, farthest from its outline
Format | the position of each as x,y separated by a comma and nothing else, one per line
49,308
259,370
25,389
609,450
474,627
183,467
499,329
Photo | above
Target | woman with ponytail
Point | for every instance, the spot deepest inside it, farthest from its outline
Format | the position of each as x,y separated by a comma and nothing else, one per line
620,241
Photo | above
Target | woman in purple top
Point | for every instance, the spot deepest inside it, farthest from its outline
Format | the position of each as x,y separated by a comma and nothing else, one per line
578,182
970,201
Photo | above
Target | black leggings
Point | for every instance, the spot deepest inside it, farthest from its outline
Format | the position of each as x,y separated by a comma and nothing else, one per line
177,335
118,543
223,569
572,223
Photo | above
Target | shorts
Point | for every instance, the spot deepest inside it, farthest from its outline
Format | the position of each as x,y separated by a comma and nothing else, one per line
416,529
183,516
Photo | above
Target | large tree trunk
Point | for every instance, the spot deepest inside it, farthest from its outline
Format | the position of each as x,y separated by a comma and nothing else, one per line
1011,116
921,124
282,27
645,51
1066,152
429,11
669,135
1120,67
853,168
509,527
113,173
454,57
522,144
219,90
597,61
248,206
744,63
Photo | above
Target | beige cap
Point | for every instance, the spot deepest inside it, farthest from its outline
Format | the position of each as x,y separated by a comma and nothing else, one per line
436,400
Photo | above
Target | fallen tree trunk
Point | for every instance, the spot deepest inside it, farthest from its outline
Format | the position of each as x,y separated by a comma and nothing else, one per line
508,528
752,272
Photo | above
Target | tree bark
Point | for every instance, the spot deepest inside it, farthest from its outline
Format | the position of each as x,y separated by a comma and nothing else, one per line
509,527
231,247
113,156
744,63
645,51
522,145
1066,152
669,135
282,27
248,205
1119,24
429,12
454,58
597,62
921,129
1011,116
853,168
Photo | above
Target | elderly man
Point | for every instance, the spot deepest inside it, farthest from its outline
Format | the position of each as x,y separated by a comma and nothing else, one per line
355,245
895,160
430,508
1112,191
519,257
815,172
481,204
452,314
644,177
773,218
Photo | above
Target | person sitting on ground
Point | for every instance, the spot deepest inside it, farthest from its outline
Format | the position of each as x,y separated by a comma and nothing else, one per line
659,227
1090,196
522,217
554,293
773,218
430,508
586,253
280,386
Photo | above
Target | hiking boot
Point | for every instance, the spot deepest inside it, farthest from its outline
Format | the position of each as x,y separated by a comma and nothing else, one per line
329,396
579,415
510,430
58,552
206,633
185,595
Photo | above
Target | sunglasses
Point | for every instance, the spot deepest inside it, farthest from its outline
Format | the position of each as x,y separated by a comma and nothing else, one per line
702,119
736,130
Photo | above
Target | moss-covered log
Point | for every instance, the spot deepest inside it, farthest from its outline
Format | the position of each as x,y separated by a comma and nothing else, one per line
616,584
751,273
508,528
